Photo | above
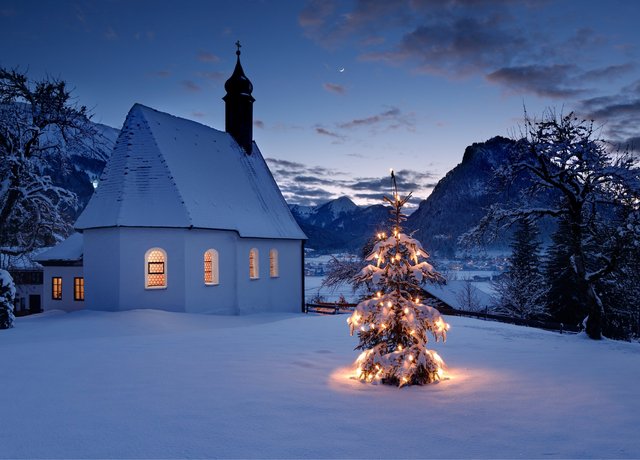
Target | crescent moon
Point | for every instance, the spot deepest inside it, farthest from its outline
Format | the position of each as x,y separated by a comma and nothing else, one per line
341,70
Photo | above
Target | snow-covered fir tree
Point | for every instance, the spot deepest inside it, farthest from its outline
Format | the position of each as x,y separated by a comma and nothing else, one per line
7,294
521,289
394,324
565,299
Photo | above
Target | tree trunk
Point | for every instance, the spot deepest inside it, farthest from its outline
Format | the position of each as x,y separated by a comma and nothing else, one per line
594,320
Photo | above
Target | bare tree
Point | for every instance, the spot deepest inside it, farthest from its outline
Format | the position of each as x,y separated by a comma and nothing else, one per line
38,121
573,175
467,297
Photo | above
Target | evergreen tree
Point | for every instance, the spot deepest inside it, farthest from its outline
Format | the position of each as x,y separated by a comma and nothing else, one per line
521,289
393,325
564,300
7,294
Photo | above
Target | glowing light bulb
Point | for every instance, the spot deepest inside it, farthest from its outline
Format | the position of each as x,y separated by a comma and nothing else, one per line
399,347
406,311
410,357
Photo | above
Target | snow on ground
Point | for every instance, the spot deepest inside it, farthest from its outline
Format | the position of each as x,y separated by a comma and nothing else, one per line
153,384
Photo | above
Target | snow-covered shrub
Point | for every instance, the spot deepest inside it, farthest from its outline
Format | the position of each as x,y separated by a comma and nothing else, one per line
7,294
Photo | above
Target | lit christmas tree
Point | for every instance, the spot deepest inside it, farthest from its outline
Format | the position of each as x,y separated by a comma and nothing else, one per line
394,325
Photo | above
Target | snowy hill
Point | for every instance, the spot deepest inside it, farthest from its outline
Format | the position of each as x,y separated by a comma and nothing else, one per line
153,384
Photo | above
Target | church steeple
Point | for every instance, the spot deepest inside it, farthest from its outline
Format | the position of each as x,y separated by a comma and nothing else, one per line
239,106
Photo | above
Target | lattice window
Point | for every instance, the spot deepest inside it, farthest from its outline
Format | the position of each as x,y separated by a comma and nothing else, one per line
156,268
273,263
78,289
211,267
253,264
56,288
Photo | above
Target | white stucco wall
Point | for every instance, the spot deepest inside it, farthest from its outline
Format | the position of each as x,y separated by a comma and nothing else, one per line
114,262
67,302
267,294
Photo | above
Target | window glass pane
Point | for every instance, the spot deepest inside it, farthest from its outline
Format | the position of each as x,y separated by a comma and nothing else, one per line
208,262
156,276
253,263
78,289
56,288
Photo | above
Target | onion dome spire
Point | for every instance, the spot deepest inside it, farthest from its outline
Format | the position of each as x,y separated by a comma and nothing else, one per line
239,106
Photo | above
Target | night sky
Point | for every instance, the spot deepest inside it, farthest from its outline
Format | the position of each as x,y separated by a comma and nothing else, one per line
344,90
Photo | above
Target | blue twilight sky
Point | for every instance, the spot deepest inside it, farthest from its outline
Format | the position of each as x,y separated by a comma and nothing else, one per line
344,89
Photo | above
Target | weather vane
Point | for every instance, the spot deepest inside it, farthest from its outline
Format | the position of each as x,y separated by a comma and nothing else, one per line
239,46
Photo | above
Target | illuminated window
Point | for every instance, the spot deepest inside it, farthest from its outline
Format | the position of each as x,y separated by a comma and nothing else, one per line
211,267
78,289
253,264
56,288
273,263
156,269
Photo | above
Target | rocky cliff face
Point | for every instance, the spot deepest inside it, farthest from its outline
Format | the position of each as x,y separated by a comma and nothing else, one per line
458,201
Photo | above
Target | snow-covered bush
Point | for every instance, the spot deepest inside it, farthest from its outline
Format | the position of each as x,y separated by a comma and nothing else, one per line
7,294
394,325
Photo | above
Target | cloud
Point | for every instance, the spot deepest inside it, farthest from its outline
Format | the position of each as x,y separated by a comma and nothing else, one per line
557,81
110,34
508,43
313,185
258,124
334,88
315,14
214,76
619,114
161,74
199,114
552,81
205,56
457,47
392,118
191,86
325,132
609,72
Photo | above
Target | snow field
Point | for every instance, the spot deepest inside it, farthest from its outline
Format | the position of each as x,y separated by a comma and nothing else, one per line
154,384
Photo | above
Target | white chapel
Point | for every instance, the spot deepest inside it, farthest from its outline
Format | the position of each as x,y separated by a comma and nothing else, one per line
185,218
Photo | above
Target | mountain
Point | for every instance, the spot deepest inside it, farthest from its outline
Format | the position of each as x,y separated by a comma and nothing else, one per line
340,224
78,170
455,206
458,201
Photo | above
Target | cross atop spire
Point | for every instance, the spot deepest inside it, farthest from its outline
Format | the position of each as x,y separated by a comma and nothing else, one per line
239,46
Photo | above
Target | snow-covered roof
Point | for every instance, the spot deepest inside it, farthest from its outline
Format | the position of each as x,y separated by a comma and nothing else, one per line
69,250
454,294
167,171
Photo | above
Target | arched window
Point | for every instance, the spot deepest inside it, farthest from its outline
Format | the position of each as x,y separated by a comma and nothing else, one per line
254,269
155,268
211,267
273,263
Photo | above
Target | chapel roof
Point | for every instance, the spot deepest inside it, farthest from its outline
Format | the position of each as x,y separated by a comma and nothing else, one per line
167,171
